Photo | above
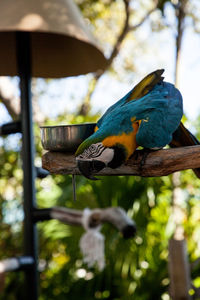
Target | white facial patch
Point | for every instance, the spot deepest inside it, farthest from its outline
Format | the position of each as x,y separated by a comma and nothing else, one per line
97,152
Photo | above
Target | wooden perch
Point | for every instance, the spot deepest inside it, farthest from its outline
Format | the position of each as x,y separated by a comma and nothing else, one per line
157,163
179,270
113,215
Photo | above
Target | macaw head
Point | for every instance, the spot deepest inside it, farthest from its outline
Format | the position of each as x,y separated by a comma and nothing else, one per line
93,156
100,151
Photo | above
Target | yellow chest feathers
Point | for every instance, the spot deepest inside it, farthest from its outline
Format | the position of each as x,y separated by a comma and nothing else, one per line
127,140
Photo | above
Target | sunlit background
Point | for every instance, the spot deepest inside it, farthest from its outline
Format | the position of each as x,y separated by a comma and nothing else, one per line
135,269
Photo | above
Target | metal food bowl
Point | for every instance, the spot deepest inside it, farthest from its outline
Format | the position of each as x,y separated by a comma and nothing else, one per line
65,137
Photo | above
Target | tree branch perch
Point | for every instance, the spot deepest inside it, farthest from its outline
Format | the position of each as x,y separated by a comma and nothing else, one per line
157,163
116,216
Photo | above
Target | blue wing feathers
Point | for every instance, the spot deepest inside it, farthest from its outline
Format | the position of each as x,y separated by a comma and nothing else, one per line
162,121
160,111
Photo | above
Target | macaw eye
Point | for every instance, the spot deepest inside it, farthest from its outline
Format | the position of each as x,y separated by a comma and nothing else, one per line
92,148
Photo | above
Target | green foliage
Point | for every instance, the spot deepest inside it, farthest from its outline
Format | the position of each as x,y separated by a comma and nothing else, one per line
135,268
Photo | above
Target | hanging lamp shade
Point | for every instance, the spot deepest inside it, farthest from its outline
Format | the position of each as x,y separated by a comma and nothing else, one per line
61,44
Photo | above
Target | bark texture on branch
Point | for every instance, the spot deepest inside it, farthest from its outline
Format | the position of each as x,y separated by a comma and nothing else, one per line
157,163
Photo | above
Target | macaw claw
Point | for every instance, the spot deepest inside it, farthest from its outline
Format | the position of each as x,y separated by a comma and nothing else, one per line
145,153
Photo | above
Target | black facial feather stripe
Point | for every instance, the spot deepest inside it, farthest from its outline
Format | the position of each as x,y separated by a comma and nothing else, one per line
93,151
96,151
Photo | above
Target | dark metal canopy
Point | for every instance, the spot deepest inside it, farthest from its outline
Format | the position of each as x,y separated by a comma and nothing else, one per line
41,38
61,44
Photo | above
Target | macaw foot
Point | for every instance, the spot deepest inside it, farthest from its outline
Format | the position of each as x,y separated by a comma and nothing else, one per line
145,153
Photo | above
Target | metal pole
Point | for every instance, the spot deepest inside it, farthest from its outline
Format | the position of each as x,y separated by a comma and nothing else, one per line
30,234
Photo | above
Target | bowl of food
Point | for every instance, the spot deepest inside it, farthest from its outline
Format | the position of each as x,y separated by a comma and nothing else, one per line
65,137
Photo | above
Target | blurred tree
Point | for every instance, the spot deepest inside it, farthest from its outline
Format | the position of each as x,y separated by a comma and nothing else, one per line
137,268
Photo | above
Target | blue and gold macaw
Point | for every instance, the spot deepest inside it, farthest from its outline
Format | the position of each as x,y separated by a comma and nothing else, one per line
147,116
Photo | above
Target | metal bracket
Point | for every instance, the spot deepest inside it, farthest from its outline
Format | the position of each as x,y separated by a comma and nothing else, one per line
12,127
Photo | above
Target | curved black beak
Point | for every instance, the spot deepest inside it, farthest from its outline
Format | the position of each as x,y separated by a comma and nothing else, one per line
88,167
